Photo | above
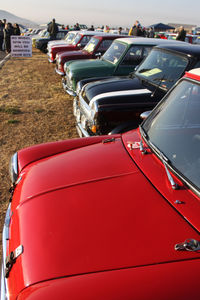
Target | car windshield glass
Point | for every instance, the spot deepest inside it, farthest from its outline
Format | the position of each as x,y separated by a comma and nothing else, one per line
174,128
91,45
76,39
47,34
42,33
114,52
69,37
162,68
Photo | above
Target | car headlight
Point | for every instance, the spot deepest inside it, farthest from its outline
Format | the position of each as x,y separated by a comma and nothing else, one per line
78,88
70,75
14,168
58,58
93,109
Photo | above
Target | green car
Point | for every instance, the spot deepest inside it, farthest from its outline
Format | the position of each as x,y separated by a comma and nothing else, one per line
120,59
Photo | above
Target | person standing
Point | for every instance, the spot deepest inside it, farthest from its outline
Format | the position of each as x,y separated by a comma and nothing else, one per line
76,26
1,35
8,31
16,29
120,30
136,29
52,29
150,33
91,28
181,34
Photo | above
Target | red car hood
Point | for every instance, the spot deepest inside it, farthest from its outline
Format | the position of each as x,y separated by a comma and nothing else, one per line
91,210
73,55
64,47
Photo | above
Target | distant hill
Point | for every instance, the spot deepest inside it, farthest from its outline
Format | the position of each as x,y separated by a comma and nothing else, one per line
14,19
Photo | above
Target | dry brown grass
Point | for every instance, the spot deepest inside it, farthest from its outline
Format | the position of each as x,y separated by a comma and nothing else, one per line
33,109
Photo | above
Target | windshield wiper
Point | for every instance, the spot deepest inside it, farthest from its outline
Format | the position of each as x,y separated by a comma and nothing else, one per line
165,160
158,86
163,79
144,70
143,134
171,180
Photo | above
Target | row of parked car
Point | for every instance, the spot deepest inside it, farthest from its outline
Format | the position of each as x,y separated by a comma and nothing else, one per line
111,92
112,216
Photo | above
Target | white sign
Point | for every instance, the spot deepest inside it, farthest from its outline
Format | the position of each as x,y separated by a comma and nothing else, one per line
21,46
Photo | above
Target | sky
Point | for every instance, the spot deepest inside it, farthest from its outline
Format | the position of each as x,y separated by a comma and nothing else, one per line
106,12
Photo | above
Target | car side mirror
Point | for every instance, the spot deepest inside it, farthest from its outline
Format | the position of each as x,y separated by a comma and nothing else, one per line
145,114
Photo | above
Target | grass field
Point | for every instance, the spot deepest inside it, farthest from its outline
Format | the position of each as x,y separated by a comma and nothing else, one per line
33,109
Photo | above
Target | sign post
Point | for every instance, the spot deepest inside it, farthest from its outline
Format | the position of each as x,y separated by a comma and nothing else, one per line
21,46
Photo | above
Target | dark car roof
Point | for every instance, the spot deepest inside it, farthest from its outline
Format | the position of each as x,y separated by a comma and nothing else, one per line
188,49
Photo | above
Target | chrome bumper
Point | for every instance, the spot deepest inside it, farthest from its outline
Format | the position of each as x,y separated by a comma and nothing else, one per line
66,88
50,60
59,72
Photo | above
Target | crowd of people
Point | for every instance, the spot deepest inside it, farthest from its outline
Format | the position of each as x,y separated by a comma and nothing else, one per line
138,30
6,30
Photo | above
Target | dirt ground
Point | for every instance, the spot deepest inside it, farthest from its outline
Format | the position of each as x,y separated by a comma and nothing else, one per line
2,55
33,109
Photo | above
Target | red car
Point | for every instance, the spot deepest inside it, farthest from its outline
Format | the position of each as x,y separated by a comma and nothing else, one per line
95,48
80,41
110,217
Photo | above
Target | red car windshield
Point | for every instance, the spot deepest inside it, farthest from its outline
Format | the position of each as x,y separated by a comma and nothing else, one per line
174,129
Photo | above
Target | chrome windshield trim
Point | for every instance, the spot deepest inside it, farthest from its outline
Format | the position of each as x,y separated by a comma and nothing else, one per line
14,167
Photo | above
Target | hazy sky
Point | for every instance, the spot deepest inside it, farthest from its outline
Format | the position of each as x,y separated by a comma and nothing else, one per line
106,12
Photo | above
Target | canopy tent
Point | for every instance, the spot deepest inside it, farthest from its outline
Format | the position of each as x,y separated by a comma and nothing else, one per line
161,27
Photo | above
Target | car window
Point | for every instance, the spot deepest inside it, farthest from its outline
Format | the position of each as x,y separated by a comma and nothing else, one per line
174,128
135,55
60,35
85,39
114,52
76,39
197,65
91,45
162,68
70,36
104,45
146,50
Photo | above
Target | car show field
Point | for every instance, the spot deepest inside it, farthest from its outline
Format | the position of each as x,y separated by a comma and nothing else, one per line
33,109
100,186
